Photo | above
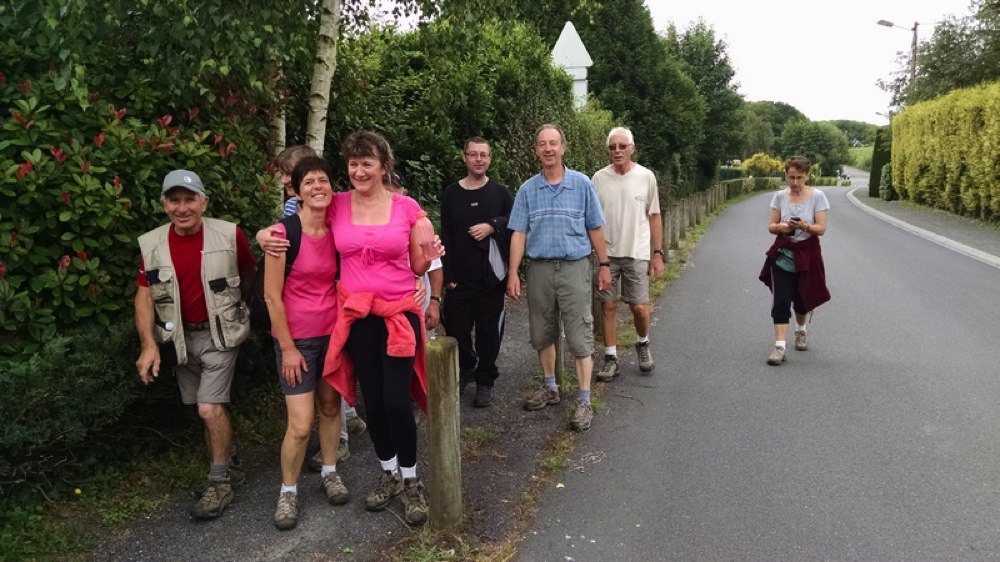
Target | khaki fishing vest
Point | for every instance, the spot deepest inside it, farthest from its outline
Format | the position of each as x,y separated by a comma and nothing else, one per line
228,315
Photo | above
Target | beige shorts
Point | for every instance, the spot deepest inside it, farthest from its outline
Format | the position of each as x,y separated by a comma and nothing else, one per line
208,374
629,282
559,290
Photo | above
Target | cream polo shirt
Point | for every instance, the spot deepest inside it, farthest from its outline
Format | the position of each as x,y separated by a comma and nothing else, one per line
628,200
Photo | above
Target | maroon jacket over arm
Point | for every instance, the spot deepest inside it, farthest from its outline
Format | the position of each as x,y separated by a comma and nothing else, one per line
809,265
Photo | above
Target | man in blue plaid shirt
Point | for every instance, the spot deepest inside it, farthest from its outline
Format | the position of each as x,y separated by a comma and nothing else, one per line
556,223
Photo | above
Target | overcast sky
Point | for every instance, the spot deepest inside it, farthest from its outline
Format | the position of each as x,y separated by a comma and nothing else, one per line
822,57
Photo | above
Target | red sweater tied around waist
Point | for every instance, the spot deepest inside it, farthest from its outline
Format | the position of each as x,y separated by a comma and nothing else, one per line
808,264
338,369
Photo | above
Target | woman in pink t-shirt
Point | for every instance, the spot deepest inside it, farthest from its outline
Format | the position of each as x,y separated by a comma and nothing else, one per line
380,255
302,304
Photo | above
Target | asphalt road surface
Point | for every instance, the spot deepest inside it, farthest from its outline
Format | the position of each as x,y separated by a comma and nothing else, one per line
881,442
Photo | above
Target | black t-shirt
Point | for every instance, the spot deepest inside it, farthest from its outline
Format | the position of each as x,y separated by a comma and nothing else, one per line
462,208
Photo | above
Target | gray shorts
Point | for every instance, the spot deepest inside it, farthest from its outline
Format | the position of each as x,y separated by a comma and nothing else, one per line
208,374
561,289
313,350
629,281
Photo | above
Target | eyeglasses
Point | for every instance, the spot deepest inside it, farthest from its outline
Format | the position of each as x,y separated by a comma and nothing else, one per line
482,155
619,146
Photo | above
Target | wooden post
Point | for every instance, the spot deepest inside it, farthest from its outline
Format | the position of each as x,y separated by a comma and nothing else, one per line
674,213
444,459
682,223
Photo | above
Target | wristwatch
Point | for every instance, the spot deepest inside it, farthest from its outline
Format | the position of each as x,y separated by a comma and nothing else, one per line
435,298
604,264
659,252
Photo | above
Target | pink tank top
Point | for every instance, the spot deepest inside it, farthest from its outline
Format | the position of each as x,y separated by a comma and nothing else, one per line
375,258
310,295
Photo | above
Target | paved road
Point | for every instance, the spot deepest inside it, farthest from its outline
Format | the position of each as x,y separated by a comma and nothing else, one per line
880,443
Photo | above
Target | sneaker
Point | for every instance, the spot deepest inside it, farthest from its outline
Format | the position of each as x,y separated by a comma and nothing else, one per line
286,515
389,484
414,505
356,425
543,397
333,487
646,363
777,356
216,497
582,417
801,342
343,451
484,396
610,370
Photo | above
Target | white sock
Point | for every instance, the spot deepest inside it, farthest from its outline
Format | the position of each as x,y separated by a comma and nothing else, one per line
294,488
390,465
780,343
801,328
408,471
642,339
613,350
327,469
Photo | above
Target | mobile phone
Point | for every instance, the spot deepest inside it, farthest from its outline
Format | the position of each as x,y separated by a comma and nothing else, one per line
796,219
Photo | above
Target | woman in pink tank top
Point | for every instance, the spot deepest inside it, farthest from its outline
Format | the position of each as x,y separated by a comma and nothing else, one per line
302,304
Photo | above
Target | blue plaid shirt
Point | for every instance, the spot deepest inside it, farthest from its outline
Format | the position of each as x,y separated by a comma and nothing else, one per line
556,221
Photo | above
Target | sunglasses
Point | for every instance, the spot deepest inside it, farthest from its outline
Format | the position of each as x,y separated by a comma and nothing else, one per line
619,146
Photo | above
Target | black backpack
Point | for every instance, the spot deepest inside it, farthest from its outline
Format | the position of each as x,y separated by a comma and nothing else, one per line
260,320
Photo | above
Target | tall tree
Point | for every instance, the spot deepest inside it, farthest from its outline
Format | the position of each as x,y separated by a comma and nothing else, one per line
323,69
822,143
756,135
635,77
706,61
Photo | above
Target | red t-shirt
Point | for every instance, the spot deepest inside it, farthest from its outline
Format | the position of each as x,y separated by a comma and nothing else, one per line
185,252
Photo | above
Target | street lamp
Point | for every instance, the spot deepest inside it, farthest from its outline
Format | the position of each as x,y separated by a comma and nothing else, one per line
913,45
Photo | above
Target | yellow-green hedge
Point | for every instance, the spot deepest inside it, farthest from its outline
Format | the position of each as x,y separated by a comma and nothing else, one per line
946,152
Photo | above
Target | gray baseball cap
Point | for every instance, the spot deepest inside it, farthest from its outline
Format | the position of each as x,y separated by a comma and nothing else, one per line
183,178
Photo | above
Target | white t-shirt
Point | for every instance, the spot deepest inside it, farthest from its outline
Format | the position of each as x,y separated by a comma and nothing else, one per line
805,210
627,200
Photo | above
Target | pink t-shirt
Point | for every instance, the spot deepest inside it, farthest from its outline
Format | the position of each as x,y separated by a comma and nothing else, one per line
375,258
310,295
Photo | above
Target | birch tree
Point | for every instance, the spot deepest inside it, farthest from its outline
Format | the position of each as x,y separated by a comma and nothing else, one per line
325,66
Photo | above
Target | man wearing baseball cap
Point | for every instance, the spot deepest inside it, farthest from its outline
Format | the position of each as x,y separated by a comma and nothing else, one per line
191,315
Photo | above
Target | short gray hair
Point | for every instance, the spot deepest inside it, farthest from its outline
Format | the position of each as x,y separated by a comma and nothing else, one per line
622,131
562,137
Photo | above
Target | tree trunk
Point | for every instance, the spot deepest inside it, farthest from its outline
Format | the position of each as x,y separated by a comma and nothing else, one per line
326,64
277,126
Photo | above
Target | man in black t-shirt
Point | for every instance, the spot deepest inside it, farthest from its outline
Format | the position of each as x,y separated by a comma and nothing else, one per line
474,213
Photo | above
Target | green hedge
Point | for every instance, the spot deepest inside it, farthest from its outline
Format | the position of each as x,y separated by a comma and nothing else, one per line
881,155
944,152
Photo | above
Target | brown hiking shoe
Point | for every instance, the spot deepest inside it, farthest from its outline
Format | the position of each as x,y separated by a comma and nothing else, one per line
582,416
333,487
356,425
610,370
543,397
214,500
286,515
414,505
389,484
777,356
646,363
801,341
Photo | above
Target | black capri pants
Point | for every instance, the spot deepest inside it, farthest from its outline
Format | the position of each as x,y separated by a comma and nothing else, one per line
785,295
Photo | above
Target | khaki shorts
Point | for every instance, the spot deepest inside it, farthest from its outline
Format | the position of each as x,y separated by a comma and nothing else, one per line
560,289
629,281
208,374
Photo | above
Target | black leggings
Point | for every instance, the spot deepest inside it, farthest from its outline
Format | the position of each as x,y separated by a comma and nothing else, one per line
385,385
785,295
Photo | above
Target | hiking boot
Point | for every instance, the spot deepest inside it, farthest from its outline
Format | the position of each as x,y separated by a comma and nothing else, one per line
646,363
582,417
343,450
414,505
286,515
543,397
356,425
484,396
216,497
777,356
801,342
610,370
389,484
333,487
236,476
